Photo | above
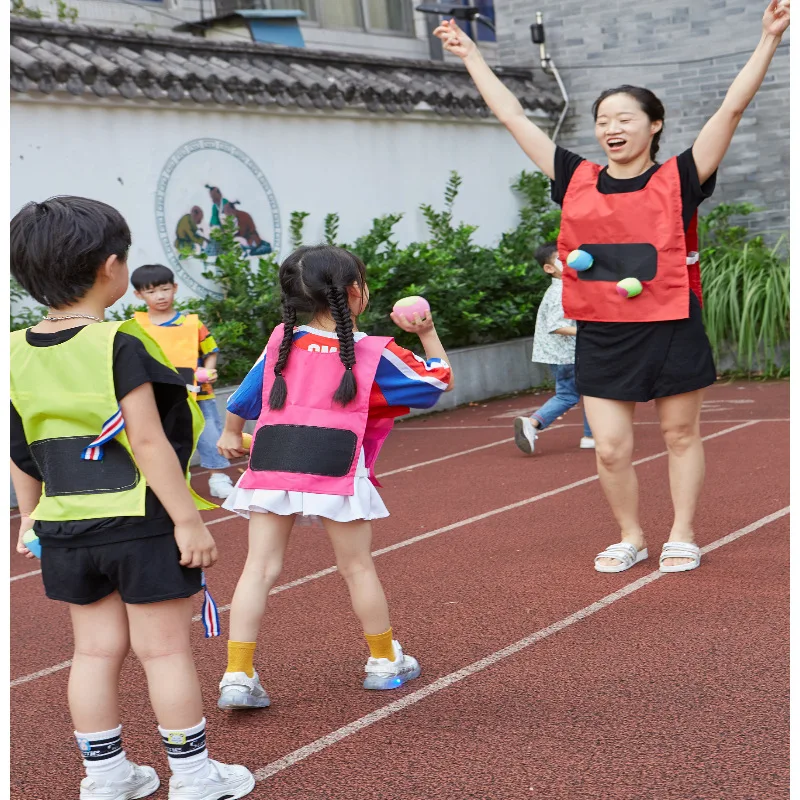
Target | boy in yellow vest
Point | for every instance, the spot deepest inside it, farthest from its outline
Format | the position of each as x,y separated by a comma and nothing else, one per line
102,431
189,345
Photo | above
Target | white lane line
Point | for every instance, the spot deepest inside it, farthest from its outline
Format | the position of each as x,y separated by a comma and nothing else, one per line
446,681
41,673
25,575
421,537
703,421
445,458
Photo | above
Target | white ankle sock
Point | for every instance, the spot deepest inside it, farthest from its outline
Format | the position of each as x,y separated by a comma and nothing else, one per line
104,758
186,750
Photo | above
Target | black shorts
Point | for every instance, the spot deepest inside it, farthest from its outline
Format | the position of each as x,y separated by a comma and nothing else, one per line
141,570
639,361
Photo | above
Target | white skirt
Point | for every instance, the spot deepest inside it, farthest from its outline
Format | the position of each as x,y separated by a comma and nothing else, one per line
365,503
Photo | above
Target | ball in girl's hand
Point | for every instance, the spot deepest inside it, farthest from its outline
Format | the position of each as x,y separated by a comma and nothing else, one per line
408,306
580,260
247,441
201,374
31,541
629,287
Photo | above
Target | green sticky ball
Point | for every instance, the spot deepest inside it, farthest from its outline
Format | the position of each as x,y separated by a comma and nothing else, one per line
629,287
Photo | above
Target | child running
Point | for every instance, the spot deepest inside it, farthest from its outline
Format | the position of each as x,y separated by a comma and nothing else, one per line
189,345
553,344
102,431
325,397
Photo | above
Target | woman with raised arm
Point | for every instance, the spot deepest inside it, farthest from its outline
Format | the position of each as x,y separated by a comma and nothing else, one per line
637,219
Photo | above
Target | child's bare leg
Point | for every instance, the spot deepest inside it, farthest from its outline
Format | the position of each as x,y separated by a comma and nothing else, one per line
352,544
101,644
268,538
388,667
160,637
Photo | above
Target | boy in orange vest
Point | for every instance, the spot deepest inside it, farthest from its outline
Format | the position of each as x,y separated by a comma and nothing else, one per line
188,345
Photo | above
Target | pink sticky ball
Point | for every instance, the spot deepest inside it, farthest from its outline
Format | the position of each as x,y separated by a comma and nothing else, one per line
408,306
202,375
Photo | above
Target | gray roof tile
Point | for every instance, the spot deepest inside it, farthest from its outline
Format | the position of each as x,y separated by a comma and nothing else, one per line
49,57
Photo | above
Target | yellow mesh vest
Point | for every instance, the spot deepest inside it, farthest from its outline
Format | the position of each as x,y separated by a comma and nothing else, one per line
64,394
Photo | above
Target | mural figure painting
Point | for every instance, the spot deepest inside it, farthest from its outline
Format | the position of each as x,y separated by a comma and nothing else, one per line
247,233
187,233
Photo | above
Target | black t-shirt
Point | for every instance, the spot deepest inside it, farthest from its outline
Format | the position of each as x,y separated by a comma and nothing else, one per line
692,192
133,366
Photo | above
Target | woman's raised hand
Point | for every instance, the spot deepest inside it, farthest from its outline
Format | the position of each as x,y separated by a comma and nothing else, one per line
776,17
454,40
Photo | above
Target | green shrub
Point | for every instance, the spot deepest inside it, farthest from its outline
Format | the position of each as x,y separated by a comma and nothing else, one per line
483,294
745,292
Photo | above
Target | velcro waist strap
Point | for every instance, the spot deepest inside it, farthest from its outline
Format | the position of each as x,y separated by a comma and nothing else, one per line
304,449
64,472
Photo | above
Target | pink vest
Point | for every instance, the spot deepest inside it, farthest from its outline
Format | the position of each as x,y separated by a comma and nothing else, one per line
312,444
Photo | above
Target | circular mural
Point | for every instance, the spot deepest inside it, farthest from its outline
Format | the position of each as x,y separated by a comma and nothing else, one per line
204,181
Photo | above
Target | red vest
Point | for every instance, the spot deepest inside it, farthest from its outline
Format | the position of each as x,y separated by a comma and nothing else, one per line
630,235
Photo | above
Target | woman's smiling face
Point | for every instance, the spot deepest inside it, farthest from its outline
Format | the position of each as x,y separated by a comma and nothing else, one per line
623,129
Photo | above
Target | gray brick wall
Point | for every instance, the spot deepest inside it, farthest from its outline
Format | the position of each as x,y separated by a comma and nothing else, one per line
583,34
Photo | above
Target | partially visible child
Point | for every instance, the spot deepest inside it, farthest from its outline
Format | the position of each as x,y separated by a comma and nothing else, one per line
102,432
553,344
325,396
187,341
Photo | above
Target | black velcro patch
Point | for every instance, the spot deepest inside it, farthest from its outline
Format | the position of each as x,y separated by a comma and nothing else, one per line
304,449
64,472
613,262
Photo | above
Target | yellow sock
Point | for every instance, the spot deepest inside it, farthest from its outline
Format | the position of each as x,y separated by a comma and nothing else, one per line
380,644
240,657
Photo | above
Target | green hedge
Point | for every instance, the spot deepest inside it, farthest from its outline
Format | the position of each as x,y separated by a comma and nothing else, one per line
481,295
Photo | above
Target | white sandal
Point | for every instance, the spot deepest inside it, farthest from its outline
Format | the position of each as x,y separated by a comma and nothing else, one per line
624,552
679,550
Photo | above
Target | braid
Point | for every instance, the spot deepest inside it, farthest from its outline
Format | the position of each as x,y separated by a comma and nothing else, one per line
340,311
277,396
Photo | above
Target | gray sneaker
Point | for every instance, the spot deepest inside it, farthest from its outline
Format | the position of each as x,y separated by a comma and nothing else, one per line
385,674
525,434
141,782
237,691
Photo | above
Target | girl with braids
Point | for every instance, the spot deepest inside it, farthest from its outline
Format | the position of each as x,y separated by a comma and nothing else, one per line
325,396
638,219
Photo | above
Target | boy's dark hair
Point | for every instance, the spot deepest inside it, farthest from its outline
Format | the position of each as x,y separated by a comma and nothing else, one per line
315,279
58,246
544,255
151,275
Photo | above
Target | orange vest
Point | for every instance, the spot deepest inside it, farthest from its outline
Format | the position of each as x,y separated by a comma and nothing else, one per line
179,342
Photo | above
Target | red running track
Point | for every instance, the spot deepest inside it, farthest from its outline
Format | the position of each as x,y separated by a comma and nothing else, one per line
672,686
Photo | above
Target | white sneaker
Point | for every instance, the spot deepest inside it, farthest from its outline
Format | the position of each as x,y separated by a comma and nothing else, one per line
220,485
141,782
236,690
385,674
587,443
221,782
525,434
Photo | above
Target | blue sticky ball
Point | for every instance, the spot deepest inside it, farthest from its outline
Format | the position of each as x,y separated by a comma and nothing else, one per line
31,541
580,260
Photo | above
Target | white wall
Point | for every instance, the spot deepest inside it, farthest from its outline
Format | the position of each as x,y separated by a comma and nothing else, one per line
358,167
